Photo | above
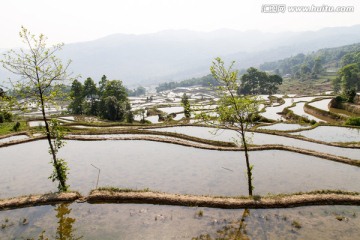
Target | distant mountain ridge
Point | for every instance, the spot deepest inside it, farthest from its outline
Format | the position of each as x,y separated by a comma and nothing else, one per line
328,57
174,55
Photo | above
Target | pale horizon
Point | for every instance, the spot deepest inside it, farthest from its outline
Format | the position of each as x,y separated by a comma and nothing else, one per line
81,21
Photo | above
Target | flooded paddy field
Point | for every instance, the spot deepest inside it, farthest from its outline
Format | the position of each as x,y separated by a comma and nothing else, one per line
271,112
169,168
299,110
263,138
284,127
36,123
322,104
13,138
332,134
145,221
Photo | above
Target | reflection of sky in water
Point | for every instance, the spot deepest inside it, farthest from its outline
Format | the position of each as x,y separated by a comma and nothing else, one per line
299,110
145,221
284,126
322,104
271,112
332,134
261,138
169,168
13,138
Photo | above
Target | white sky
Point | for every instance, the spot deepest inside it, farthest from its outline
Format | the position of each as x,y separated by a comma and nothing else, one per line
83,20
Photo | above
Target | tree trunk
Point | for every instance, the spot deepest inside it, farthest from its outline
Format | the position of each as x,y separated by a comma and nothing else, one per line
48,136
248,168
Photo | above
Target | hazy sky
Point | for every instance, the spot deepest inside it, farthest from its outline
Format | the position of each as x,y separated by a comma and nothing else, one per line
83,20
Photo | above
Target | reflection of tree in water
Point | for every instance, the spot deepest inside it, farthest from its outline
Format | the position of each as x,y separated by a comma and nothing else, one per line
64,230
233,231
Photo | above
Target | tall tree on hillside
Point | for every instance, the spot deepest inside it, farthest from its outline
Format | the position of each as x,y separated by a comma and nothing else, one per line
40,72
317,68
349,77
234,112
77,97
102,84
257,82
114,103
90,94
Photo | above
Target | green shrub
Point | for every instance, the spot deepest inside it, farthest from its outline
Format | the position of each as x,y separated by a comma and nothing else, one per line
16,127
350,94
5,117
339,99
354,121
8,116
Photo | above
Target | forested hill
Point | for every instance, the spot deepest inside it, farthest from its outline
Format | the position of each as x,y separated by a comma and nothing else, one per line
300,66
327,58
204,81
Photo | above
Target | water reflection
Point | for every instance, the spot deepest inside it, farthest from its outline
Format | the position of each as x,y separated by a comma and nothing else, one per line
235,230
64,230
146,221
172,168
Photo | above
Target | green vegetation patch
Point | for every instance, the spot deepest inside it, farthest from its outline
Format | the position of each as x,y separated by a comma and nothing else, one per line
9,127
353,121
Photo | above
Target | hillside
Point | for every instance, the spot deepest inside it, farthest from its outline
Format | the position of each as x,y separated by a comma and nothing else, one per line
180,54
329,58
304,74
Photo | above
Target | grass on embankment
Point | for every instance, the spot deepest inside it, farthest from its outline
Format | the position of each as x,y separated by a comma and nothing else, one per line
7,127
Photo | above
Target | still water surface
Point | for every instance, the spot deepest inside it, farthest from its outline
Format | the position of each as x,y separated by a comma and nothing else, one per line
169,168
145,221
332,134
262,138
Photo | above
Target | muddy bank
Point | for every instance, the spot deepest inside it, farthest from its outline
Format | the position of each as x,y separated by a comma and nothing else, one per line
105,196
350,107
15,142
35,200
147,197
322,114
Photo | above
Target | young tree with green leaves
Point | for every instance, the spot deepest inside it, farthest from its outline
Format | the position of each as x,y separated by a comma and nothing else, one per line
235,112
5,105
41,72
